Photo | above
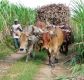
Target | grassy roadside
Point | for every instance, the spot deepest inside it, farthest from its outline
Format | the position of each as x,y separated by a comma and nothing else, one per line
22,71
5,50
7,47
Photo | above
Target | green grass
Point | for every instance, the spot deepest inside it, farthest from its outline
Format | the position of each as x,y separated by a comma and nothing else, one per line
61,78
78,70
78,18
27,71
22,71
4,50
8,12
78,28
7,47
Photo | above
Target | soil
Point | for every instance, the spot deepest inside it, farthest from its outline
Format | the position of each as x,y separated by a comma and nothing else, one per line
46,72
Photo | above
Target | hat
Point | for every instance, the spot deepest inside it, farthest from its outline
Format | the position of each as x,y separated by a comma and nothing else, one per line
16,20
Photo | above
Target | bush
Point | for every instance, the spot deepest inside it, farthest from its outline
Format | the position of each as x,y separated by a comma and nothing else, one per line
78,18
8,12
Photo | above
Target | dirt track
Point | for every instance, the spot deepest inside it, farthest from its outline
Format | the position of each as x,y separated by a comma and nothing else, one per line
48,73
45,72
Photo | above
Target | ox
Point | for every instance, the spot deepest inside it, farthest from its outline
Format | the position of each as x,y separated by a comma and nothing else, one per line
29,39
53,45
68,38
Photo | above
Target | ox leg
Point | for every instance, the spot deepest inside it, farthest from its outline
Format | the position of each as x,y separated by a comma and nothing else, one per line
27,58
56,60
51,59
49,56
61,48
56,57
40,45
29,54
65,49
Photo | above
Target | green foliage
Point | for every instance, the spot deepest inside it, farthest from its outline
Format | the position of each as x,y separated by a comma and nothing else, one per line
78,18
9,41
8,12
79,57
78,30
78,70
40,55
61,78
4,50
22,71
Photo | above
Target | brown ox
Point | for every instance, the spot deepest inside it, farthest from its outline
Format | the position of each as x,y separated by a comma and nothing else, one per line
53,45
68,38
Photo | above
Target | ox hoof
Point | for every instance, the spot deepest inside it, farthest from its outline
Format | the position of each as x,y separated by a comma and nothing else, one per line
26,61
31,55
52,65
56,60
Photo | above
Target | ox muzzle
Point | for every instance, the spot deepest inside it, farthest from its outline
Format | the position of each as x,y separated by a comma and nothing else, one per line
22,50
